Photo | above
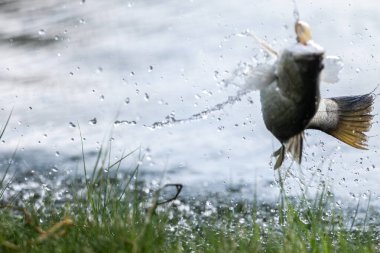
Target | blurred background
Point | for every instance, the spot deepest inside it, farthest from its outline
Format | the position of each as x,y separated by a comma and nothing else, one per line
110,69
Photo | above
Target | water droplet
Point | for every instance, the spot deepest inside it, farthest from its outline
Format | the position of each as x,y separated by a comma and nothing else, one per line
127,122
41,32
357,70
207,92
93,121
71,124
99,70
57,153
101,97
146,96
47,188
71,73
150,69
204,115
127,100
132,73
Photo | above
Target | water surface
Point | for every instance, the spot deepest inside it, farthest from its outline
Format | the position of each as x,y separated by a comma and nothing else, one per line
89,64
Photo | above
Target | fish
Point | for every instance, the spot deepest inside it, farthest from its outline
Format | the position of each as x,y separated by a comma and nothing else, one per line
291,101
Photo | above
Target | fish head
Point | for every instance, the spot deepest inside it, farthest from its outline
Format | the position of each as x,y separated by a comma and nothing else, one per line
298,73
306,58
307,54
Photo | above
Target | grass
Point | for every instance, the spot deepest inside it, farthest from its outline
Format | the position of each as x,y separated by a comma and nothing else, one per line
104,212
102,216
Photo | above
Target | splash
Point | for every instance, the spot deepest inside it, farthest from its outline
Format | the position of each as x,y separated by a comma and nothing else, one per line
171,119
250,77
247,77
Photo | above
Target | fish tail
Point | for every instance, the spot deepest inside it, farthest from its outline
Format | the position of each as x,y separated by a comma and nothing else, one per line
354,119
293,146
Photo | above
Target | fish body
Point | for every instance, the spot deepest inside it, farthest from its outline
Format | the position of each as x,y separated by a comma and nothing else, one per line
291,102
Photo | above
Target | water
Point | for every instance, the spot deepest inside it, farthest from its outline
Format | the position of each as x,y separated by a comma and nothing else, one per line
102,67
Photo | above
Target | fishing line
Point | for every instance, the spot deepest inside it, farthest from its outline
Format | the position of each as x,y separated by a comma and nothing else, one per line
296,13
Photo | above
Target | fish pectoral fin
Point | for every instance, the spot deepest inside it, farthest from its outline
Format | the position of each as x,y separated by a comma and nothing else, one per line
293,146
280,154
278,151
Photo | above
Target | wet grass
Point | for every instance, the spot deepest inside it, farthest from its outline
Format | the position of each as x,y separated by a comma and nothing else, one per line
107,214
103,212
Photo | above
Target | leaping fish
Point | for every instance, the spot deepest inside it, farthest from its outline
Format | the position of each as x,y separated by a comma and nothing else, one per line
291,101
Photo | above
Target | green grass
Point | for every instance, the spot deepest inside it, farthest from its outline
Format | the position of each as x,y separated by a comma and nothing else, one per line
110,215
107,214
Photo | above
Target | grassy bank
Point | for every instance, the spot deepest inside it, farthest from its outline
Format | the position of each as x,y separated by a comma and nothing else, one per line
103,213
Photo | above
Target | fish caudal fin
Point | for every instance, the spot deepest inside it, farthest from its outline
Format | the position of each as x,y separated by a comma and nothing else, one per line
346,118
293,146
355,119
